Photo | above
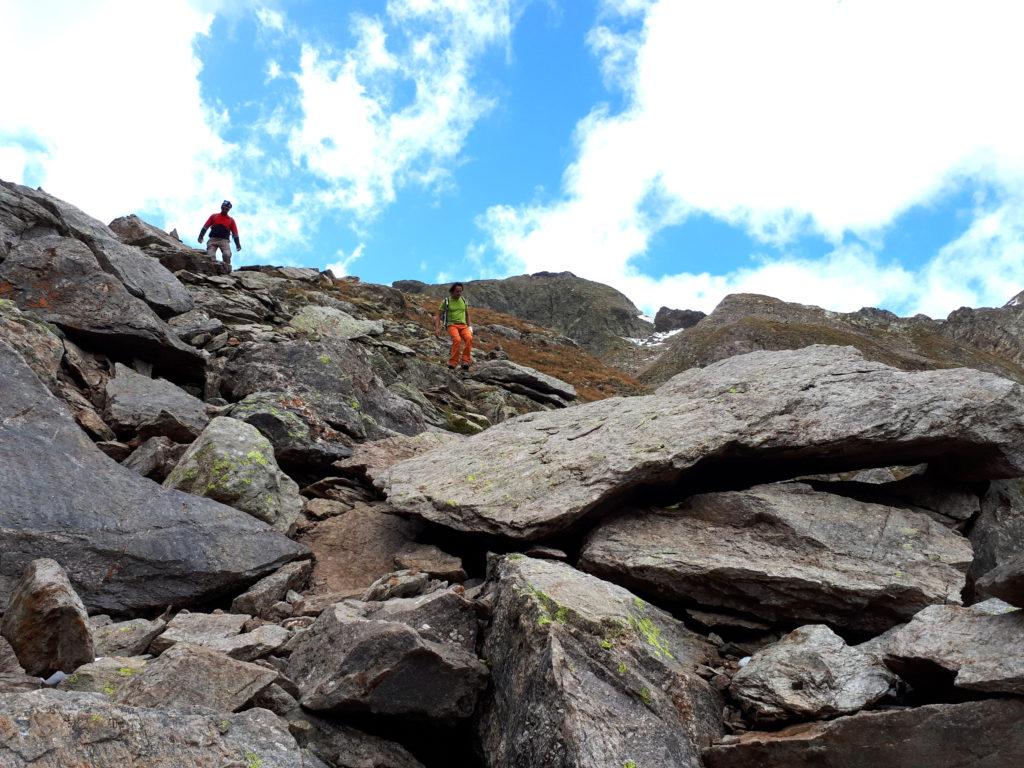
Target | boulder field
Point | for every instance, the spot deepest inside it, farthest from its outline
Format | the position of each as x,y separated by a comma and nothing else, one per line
251,519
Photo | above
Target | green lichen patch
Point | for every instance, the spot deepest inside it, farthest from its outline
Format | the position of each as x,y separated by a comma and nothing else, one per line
252,760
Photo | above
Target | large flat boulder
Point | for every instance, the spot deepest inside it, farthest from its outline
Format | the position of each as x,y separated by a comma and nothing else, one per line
968,647
979,734
788,553
173,254
234,464
51,729
127,544
333,378
768,415
59,280
584,674
811,673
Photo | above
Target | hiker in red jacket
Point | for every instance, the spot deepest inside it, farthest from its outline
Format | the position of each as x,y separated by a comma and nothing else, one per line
221,226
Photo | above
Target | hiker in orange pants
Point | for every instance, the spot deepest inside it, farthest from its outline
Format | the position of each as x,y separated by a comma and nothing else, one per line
454,315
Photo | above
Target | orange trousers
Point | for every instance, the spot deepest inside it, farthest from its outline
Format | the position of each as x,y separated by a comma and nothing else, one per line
461,336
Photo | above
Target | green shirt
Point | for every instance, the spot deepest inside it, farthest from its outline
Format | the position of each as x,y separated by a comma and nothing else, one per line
456,311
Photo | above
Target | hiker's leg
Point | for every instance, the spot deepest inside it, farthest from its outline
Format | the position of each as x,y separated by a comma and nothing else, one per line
225,252
453,358
467,344
211,248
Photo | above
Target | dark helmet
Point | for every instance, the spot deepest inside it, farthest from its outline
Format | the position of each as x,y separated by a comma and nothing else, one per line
226,204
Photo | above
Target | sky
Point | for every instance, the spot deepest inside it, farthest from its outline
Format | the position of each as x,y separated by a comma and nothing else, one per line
842,153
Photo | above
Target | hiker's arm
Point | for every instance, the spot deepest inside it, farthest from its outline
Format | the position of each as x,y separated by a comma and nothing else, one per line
437,323
206,226
234,231
468,321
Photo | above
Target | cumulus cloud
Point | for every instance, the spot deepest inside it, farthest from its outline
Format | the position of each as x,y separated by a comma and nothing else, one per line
343,265
87,70
361,132
787,119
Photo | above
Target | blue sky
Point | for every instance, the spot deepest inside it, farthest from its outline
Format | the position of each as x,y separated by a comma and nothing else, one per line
835,153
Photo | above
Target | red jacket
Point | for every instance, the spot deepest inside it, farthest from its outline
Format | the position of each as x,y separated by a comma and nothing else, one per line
220,227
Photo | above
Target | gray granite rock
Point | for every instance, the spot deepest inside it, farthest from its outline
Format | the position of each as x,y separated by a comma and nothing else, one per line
998,533
979,734
259,598
811,673
155,458
231,462
341,746
52,729
317,321
786,552
190,675
584,673
126,638
1005,581
199,629
524,381
344,662
138,404
970,648
777,414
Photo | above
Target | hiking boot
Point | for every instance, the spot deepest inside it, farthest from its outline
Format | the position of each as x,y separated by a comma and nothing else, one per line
465,366
451,367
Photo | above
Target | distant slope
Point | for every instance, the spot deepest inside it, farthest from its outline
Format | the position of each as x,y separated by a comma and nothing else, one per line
595,315
987,339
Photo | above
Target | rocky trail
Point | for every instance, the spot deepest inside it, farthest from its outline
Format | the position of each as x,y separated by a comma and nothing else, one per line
250,520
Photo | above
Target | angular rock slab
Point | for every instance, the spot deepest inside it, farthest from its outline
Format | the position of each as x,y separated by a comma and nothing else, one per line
442,616
51,729
333,378
998,533
199,629
973,648
318,321
298,436
340,746
46,623
142,276
786,552
231,462
106,675
346,663
155,458
262,595
156,406
126,638
779,414
190,675
1005,582
524,381
586,674
977,734
811,673
127,544
59,280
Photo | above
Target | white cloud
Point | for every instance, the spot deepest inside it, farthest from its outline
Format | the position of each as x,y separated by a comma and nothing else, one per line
88,73
361,133
270,19
788,118
343,265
